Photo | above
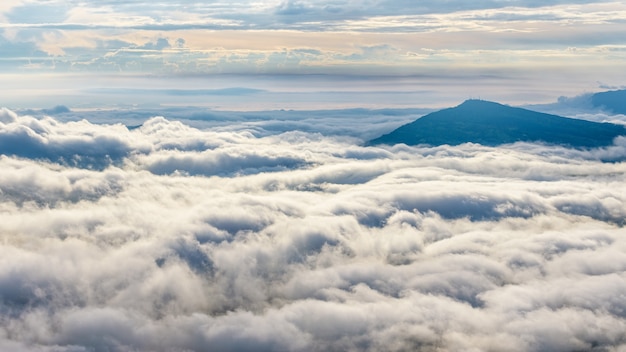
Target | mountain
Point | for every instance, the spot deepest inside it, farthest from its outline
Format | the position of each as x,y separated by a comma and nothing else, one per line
489,123
614,101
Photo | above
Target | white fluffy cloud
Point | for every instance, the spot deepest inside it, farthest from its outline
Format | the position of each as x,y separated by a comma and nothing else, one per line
176,238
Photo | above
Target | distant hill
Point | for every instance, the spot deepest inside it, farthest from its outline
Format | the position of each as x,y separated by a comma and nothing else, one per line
614,101
492,124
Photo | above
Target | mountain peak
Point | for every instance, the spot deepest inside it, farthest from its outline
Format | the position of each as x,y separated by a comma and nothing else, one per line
485,106
490,123
477,102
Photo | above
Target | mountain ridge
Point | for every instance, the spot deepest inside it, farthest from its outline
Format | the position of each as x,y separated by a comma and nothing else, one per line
613,100
492,124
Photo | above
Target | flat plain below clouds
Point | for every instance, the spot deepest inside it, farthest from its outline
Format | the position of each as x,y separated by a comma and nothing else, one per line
174,238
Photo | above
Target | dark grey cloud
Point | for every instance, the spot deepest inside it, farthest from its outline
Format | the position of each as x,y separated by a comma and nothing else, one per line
349,248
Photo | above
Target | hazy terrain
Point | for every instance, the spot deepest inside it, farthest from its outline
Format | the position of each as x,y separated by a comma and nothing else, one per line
258,234
493,124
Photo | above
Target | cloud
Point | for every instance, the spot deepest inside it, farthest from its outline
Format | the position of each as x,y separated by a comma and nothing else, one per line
302,241
34,13
59,109
252,38
78,143
7,116
234,91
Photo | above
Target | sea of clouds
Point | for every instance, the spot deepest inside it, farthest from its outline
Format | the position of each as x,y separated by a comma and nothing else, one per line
167,237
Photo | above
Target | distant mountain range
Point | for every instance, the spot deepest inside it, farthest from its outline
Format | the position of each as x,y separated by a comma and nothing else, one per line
492,124
614,101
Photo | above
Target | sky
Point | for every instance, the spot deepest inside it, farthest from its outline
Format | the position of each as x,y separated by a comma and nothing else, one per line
303,54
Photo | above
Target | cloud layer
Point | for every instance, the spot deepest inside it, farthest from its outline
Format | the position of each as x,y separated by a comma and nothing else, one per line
167,237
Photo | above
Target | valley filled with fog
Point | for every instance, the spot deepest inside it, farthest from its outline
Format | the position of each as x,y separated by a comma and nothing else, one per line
277,232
